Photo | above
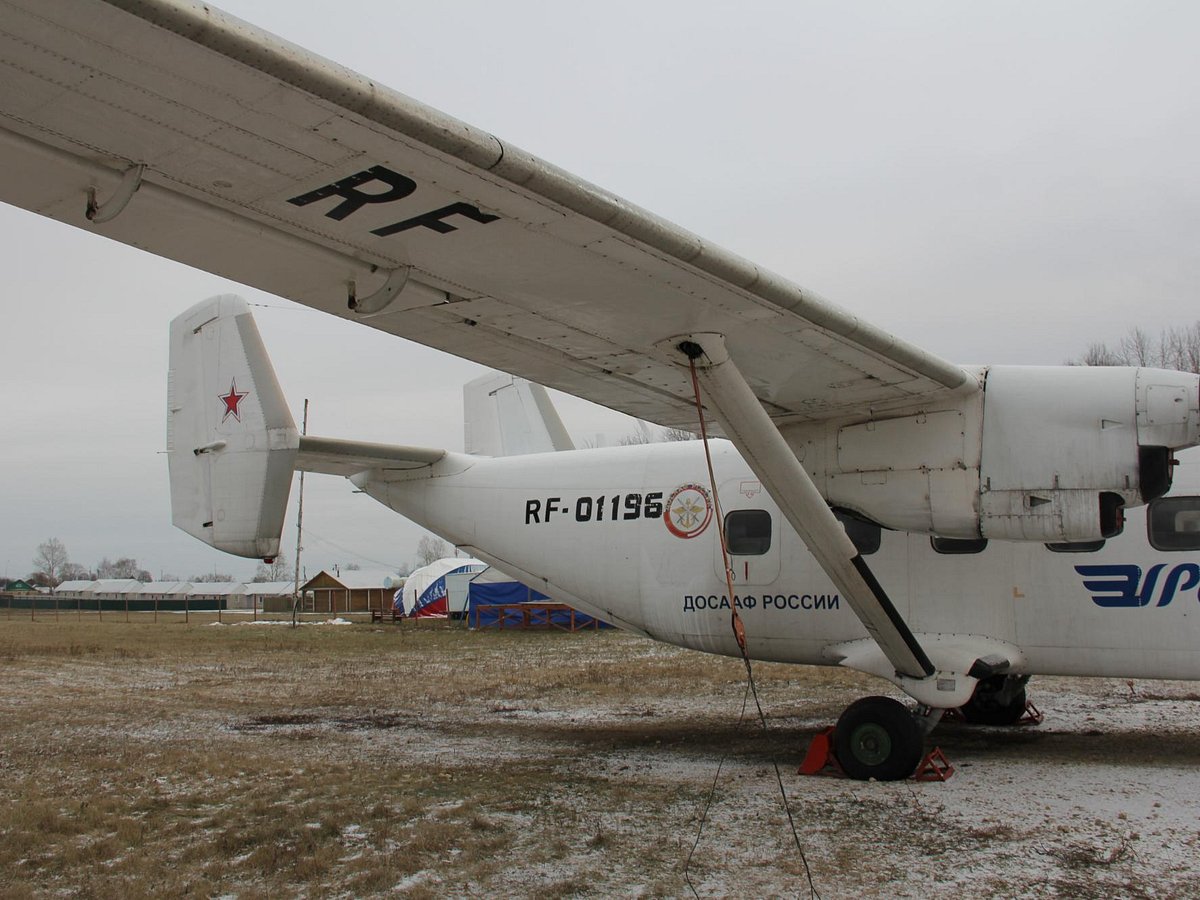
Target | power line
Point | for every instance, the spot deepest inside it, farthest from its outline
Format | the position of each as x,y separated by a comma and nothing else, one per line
355,554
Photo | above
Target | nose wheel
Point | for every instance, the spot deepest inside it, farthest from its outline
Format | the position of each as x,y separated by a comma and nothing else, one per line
877,737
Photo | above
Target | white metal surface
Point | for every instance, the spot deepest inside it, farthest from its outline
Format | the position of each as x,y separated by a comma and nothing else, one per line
507,416
639,575
248,143
231,441
776,467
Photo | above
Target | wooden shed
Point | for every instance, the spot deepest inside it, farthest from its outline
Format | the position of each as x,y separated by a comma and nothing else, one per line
354,590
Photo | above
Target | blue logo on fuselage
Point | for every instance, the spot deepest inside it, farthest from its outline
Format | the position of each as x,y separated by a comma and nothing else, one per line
1123,586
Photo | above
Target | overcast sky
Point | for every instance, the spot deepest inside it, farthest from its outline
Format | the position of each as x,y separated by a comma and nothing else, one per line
999,183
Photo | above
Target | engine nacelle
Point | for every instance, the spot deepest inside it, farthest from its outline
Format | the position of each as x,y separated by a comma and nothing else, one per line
1064,449
1042,454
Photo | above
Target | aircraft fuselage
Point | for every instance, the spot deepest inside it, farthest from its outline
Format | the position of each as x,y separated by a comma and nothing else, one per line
630,534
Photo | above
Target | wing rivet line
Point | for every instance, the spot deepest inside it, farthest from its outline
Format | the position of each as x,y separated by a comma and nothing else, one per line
98,213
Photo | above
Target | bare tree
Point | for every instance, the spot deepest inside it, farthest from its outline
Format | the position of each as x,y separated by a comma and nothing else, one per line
210,578
1138,348
643,435
279,570
50,559
1098,354
429,549
679,434
1180,349
1174,348
648,434
125,567
76,572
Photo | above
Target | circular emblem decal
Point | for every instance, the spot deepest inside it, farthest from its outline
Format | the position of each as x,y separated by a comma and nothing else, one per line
688,511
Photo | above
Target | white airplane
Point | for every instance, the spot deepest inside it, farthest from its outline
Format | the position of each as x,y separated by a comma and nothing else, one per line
952,530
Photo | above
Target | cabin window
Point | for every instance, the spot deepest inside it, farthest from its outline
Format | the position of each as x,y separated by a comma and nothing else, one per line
748,532
1076,547
1174,523
863,534
958,545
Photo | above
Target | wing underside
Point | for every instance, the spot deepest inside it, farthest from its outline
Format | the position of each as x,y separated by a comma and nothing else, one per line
268,165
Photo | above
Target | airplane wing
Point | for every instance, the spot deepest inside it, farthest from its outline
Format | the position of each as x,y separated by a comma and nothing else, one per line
174,127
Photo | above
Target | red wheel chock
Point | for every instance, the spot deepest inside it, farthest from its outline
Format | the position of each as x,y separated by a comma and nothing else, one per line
934,767
1031,716
819,760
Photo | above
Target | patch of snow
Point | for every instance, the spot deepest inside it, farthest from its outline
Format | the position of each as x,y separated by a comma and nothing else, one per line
413,880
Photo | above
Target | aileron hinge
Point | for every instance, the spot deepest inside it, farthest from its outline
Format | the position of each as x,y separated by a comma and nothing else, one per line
98,213
380,299
397,293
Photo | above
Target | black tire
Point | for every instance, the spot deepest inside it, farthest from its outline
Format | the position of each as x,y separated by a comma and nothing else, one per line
876,737
986,708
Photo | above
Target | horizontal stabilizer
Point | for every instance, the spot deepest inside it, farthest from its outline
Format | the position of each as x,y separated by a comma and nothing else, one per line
332,456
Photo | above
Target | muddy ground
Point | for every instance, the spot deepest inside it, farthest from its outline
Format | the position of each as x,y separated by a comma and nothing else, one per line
253,761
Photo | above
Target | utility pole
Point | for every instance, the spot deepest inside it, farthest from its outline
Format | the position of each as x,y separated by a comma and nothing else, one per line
299,525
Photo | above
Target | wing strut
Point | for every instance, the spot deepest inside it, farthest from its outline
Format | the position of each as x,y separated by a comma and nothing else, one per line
772,460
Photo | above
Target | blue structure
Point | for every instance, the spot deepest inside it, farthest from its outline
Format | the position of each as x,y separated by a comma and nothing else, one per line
484,600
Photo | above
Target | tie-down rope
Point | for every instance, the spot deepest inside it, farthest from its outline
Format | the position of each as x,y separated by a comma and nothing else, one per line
739,633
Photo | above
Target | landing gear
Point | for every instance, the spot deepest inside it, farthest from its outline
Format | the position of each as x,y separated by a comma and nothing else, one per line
999,700
877,737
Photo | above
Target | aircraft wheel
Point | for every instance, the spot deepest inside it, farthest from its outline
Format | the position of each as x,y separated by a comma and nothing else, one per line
877,737
992,705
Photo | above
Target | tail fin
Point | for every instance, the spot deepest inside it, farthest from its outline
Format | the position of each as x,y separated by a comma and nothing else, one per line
231,441
507,416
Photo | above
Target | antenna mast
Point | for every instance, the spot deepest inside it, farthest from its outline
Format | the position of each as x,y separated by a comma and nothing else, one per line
299,525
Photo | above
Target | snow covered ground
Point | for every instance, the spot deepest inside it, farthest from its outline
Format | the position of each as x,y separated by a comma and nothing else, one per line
359,761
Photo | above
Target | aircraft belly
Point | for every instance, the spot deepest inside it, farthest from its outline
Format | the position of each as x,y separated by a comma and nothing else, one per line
1127,662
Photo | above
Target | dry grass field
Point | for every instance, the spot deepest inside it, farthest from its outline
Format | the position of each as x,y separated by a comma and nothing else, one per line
426,760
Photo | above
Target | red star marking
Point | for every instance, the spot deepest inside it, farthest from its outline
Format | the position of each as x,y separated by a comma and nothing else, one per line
231,401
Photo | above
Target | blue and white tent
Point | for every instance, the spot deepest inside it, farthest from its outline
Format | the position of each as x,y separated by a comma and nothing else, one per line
425,591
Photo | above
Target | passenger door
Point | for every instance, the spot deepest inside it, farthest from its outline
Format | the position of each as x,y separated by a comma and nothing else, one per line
752,532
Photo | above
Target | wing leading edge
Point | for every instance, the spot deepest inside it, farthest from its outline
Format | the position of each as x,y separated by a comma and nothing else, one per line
274,167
